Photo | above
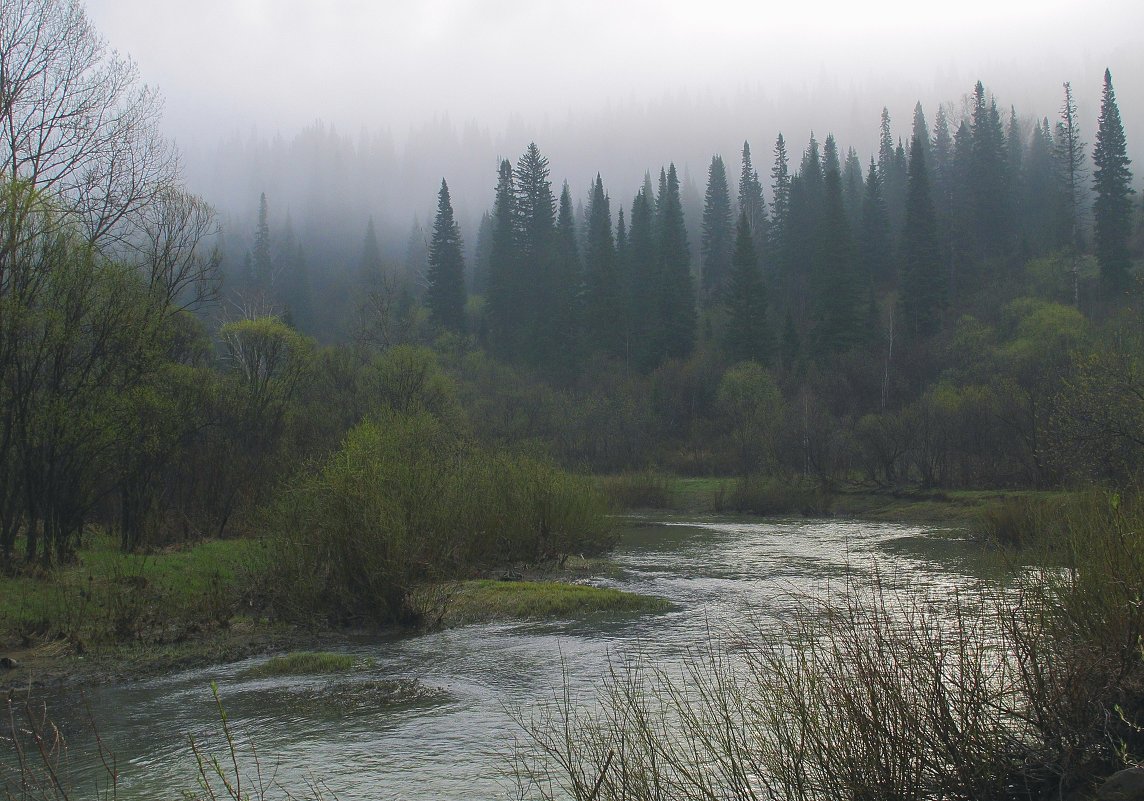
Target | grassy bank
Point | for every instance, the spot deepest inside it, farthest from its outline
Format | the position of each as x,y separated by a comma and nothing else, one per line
649,490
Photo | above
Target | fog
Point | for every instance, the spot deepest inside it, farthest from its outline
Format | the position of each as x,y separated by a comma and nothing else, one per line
396,95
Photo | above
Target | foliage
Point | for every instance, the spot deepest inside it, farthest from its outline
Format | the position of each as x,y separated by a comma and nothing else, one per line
406,500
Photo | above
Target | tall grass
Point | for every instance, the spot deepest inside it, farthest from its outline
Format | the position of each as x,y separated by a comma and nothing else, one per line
1031,691
646,489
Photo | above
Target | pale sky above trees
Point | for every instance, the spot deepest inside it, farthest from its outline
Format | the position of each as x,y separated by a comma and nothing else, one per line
281,64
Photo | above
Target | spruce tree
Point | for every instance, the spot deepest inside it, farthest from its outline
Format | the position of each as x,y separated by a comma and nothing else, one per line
645,286
563,358
445,295
716,241
604,295
1070,157
833,288
504,292
852,186
535,234
875,257
678,298
989,176
369,262
482,256
1112,180
751,201
748,335
923,295
261,262
892,169
780,194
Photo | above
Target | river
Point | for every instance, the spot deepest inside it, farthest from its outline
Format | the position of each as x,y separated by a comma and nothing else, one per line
454,744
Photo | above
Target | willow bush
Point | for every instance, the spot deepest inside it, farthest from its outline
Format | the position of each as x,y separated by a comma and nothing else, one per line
407,500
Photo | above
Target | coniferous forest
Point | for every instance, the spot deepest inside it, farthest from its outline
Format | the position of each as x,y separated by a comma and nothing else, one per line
936,314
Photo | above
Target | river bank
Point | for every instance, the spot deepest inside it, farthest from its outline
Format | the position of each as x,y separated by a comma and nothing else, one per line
110,617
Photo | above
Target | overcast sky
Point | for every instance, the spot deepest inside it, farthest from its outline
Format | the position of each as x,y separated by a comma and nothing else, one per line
281,64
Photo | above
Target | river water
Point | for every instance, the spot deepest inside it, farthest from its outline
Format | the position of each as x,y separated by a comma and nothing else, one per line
454,744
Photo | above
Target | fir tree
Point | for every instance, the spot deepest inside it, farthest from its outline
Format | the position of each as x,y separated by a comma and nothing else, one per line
504,293
780,193
567,313
678,299
645,285
923,294
716,240
604,301
369,263
482,256
535,229
892,169
989,176
751,201
262,268
1112,180
748,335
1070,157
445,295
875,259
833,287
852,186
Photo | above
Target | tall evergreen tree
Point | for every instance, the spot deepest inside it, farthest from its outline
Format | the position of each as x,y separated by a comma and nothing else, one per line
833,288
717,237
780,194
1043,205
645,285
875,248
505,292
892,169
261,261
678,299
1112,180
445,295
989,176
920,133
369,262
852,186
751,201
567,312
942,162
482,256
748,335
605,310
535,234
1070,156
924,288
296,289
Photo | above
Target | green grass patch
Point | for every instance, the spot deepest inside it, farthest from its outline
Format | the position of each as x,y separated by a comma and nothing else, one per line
107,597
483,600
302,663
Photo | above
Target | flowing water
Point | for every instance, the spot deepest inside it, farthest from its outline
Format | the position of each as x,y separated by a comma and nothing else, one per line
454,742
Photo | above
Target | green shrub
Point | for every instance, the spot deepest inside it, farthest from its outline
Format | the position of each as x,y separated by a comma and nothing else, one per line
774,495
405,501
644,490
